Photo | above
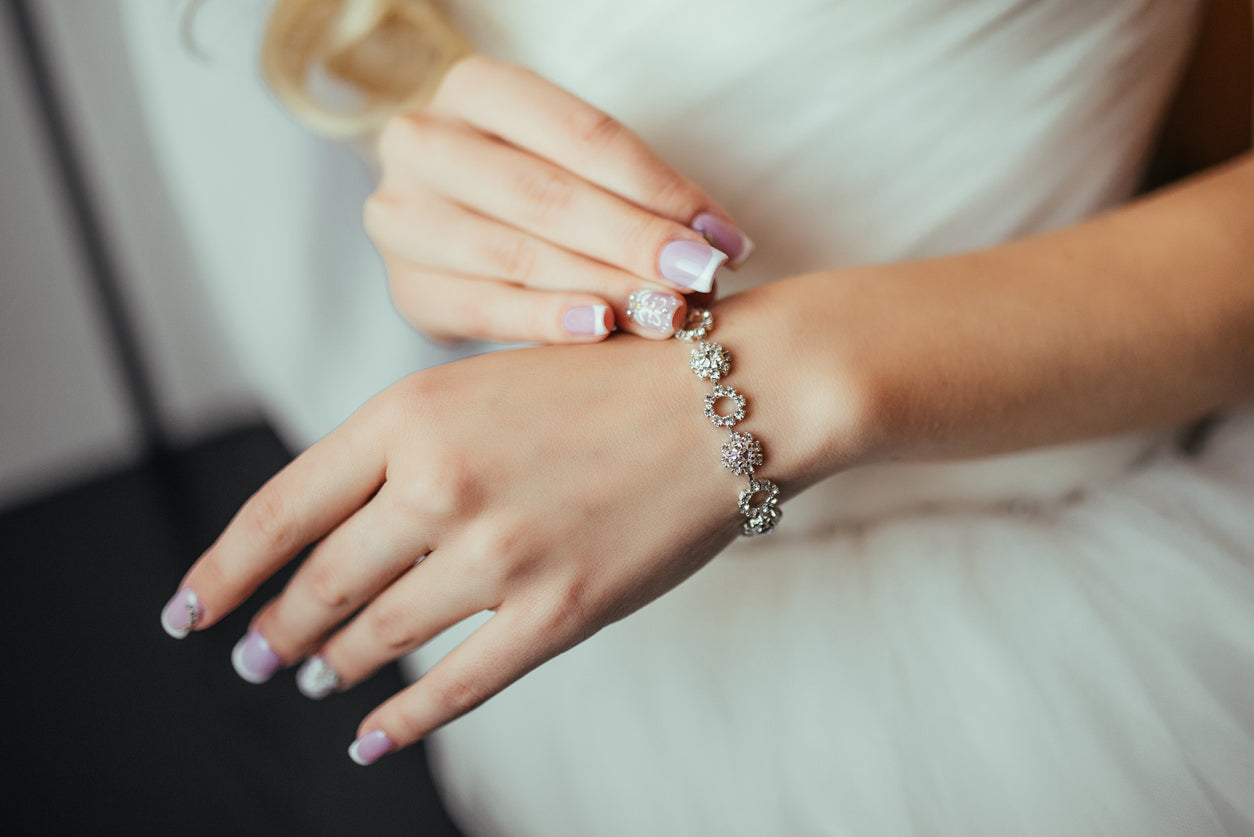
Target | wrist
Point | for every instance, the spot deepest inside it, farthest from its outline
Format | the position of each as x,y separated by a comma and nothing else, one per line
797,362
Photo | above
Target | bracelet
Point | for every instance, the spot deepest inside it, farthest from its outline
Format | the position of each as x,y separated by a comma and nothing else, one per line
741,453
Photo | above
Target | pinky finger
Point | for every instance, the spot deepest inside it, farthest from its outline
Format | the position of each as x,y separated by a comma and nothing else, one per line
447,306
485,663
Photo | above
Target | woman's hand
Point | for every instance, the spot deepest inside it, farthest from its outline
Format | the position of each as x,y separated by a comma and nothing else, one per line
561,487
511,210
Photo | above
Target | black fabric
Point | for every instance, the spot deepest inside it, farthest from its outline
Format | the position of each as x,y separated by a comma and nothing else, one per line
120,729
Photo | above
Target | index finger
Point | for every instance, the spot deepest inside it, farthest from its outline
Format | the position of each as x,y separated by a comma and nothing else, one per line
295,507
532,113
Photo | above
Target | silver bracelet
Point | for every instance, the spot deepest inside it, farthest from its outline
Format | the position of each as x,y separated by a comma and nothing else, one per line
741,453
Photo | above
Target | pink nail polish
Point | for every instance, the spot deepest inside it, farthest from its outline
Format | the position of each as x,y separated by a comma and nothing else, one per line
181,613
370,747
316,679
725,236
654,310
587,319
253,659
690,264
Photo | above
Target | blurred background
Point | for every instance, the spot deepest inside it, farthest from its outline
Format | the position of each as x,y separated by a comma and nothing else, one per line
128,436
66,408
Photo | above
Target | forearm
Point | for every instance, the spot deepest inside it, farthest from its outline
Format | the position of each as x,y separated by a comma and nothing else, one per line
1142,317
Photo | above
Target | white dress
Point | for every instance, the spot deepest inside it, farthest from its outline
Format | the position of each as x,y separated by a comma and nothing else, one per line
1059,642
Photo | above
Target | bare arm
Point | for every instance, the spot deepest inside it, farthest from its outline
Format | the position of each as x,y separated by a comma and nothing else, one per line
1138,318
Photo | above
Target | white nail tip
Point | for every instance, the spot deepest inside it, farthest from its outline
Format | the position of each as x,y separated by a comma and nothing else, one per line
177,633
598,320
704,282
746,250
190,607
241,667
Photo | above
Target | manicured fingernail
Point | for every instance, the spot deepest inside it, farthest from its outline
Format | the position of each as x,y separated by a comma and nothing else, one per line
370,747
181,613
690,263
316,679
725,236
587,319
253,659
654,310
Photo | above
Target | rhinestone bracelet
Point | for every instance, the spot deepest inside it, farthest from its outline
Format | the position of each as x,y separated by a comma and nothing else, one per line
741,453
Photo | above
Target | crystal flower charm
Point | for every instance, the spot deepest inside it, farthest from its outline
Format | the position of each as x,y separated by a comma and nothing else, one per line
741,453
710,360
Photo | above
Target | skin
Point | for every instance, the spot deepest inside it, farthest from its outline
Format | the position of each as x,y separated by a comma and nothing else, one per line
567,207
1142,317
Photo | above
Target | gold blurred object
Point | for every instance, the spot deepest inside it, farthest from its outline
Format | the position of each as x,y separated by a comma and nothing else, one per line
390,54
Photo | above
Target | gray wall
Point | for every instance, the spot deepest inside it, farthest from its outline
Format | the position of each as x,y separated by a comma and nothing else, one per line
63,413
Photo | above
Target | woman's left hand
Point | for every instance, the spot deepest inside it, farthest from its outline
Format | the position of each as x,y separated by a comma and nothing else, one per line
561,487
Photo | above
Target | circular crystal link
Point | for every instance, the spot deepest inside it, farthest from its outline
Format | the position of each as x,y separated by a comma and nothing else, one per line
710,360
731,418
761,518
761,523
741,453
697,325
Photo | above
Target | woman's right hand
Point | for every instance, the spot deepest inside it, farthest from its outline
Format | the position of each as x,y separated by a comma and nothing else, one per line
510,210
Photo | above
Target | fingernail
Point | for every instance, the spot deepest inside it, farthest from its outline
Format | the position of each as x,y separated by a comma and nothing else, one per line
253,659
587,319
654,310
370,747
690,263
725,236
316,679
181,613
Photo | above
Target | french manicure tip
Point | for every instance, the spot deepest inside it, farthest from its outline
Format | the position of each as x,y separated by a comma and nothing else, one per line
705,282
253,659
598,320
181,613
745,252
370,747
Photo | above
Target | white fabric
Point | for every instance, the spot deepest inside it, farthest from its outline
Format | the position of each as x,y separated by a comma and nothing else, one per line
1077,664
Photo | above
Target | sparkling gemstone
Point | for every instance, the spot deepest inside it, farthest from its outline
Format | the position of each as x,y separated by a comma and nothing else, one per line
710,360
741,453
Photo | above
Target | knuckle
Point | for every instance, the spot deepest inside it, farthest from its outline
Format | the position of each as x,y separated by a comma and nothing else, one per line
457,694
326,587
569,611
512,257
442,491
544,193
270,517
392,628
593,130
672,194
471,317
646,233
